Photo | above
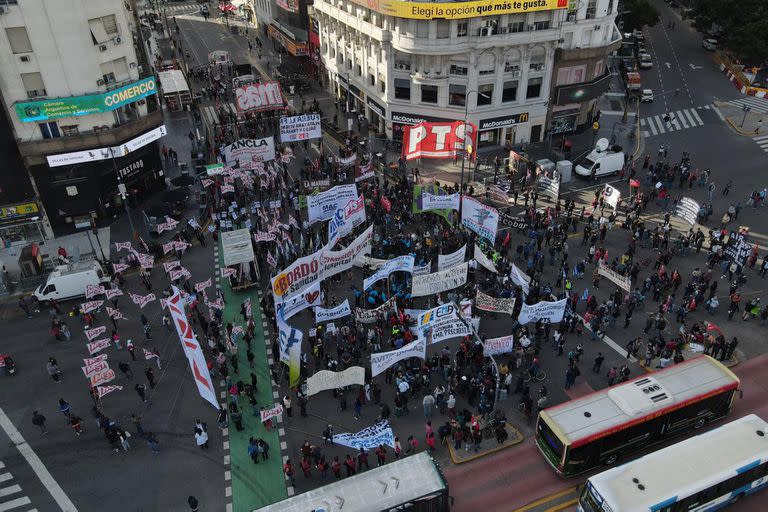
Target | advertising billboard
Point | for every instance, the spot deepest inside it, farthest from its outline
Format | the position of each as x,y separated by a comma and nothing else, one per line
437,140
458,10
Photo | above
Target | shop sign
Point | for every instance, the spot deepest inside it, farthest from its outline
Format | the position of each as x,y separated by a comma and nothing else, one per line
131,169
378,109
503,122
19,210
33,111
408,118
458,10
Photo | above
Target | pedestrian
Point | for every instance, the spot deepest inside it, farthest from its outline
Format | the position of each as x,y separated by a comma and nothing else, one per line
397,449
358,408
153,442
125,369
24,306
612,374
193,505
428,402
253,450
167,322
381,455
147,331
64,408
328,435
129,346
598,363
39,420
362,459
349,465
150,374
123,436
54,371
287,406
141,390
288,470
413,445
201,435
336,467
116,339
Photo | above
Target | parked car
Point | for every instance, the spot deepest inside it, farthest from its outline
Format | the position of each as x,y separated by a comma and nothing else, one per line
646,96
709,44
638,34
69,281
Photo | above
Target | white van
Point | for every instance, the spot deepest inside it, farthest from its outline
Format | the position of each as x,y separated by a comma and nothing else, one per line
601,163
69,281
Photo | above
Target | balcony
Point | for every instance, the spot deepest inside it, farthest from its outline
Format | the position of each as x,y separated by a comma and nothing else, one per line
34,151
479,40
593,52
362,25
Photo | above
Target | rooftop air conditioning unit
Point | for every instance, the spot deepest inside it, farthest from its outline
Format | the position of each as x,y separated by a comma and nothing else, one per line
117,40
485,31
24,58
102,47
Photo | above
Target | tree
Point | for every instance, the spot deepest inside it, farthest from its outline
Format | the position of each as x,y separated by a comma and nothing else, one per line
640,13
744,24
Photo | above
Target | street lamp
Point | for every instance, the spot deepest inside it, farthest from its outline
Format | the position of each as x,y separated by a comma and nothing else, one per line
123,192
464,143
745,109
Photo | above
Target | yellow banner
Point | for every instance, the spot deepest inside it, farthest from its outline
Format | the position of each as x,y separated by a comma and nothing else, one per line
459,10
18,210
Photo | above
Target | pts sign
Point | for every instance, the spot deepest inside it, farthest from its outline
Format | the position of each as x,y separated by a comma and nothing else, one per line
259,96
437,140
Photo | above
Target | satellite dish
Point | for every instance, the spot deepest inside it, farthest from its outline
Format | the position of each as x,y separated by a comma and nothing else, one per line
602,144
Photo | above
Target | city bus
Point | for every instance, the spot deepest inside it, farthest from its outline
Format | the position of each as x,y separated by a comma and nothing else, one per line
414,483
602,427
706,472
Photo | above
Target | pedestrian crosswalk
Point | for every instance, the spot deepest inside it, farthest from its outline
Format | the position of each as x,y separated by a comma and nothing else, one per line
762,141
678,120
11,498
181,7
755,104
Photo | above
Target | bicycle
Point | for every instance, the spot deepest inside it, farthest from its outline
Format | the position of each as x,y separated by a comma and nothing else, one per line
540,376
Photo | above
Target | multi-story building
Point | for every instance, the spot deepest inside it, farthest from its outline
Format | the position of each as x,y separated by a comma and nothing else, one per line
489,60
82,104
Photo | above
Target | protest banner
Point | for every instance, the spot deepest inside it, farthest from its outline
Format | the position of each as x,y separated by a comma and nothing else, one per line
326,379
623,282
521,279
611,196
272,412
170,265
259,96
436,282
167,247
382,360
494,304
309,297
417,206
119,246
97,346
323,206
345,220
496,193
336,262
502,345
483,260
399,264
437,202
89,306
102,377
248,152
552,311
228,271
289,344
364,171
513,221
95,332
148,355
119,267
738,249
263,236
327,315
422,270
549,187
428,318
446,329
369,316
445,261
93,369
203,285
687,209
102,391
116,292
298,128
369,438
479,217
90,361
91,290
142,301
115,314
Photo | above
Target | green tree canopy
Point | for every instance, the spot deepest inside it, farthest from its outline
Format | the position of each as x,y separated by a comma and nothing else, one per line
744,23
640,13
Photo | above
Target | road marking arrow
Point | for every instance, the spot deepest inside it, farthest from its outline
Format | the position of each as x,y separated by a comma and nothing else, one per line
694,66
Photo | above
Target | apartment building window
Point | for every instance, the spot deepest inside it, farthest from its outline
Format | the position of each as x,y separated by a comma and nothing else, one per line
429,94
509,93
487,65
71,129
402,89
49,130
422,28
358,70
443,29
19,40
33,84
382,84
458,70
462,28
484,94
103,29
371,77
541,25
610,6
115,71
516,26
457,95
534,88
591,9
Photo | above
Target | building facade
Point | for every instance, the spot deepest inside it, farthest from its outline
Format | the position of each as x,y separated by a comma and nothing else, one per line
82,103
395,62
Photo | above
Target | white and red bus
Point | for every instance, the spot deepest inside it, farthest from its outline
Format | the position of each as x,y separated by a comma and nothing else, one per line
604,426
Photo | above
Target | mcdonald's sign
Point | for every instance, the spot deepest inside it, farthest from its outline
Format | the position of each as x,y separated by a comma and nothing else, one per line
503,122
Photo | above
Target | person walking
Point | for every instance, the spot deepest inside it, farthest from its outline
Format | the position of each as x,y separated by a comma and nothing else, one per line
358,408
141,390
289,470
287,406
201,435
428,402
64,408
54,371
150,374
598,363
193,505
39,420
152,442
131,348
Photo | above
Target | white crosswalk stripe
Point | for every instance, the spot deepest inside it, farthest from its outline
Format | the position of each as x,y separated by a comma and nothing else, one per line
679,120
756,104
181,7
11,497
762,141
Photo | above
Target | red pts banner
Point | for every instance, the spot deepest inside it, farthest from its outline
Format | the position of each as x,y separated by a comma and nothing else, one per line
437,140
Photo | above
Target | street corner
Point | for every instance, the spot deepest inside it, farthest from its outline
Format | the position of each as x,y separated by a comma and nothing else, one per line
747,123
461,456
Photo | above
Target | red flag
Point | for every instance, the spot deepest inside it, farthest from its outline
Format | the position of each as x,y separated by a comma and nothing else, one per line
634,183
386,204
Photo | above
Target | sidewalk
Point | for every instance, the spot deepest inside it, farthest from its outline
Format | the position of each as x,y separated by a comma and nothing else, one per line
749,125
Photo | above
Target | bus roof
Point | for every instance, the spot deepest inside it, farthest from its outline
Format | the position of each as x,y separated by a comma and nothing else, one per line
667,474
381,488
598,414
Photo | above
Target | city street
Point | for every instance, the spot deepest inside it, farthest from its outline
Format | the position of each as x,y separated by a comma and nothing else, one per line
64,471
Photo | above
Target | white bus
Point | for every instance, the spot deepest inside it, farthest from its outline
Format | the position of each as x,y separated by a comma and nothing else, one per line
706,472
602,427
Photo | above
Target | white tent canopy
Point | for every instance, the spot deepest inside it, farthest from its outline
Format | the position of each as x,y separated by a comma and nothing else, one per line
237,247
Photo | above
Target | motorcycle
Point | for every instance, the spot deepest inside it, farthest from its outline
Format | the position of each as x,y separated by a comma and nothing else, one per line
7,365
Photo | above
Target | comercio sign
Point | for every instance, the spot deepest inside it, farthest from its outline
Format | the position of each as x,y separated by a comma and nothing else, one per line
32,111
459,10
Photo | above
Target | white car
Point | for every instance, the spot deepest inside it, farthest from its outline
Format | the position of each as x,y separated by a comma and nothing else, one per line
646,96
709,44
